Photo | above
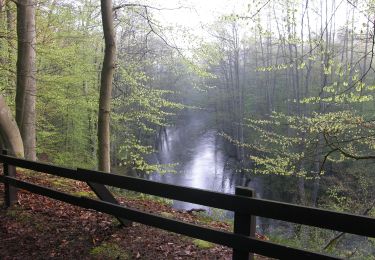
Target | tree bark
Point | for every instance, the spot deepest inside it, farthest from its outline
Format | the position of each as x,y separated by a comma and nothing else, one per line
10,136
106,87
26,76
11,77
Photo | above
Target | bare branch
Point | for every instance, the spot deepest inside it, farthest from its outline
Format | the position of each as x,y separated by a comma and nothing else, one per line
256,13
345,153
325,159
147,6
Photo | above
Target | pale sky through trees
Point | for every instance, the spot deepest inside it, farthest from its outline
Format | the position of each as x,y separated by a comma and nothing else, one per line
196,16
197,12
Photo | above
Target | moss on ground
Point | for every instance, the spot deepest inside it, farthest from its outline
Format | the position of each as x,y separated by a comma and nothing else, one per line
140,196
167,214
109,251
202,244
61,183
84,194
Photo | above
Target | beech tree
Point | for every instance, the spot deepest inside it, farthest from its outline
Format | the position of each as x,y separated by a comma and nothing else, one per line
106,87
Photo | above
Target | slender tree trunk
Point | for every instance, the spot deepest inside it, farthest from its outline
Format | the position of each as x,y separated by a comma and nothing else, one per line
364,68
26,76
11,81
351,61
237,90
106,87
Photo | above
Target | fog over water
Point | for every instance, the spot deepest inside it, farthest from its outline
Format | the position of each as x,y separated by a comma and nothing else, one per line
201,158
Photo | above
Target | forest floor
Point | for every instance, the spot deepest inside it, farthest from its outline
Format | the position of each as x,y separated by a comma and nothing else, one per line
42,228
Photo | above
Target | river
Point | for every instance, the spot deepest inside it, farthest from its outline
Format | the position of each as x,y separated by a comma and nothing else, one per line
200,158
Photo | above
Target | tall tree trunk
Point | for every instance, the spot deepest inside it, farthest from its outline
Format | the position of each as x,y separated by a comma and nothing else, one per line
10,11
106,87
26,76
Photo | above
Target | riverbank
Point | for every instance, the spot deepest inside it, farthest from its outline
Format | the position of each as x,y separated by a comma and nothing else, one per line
42,228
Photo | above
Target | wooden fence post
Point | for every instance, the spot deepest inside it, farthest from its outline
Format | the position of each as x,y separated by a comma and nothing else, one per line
244,224
10,192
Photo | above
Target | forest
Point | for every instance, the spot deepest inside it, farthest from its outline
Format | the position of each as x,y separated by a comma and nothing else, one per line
276,95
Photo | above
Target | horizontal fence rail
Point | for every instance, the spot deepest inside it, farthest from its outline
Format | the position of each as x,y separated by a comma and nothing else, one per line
344,222
220,237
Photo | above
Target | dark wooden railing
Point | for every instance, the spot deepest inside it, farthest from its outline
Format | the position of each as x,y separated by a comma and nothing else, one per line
244,206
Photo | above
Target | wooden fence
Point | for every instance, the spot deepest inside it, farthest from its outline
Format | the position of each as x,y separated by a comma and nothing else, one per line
244,206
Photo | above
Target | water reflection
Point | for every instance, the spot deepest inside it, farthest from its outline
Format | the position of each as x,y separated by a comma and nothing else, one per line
201,159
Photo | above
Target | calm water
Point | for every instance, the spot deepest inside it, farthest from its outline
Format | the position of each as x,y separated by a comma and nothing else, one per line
201,162
200,157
